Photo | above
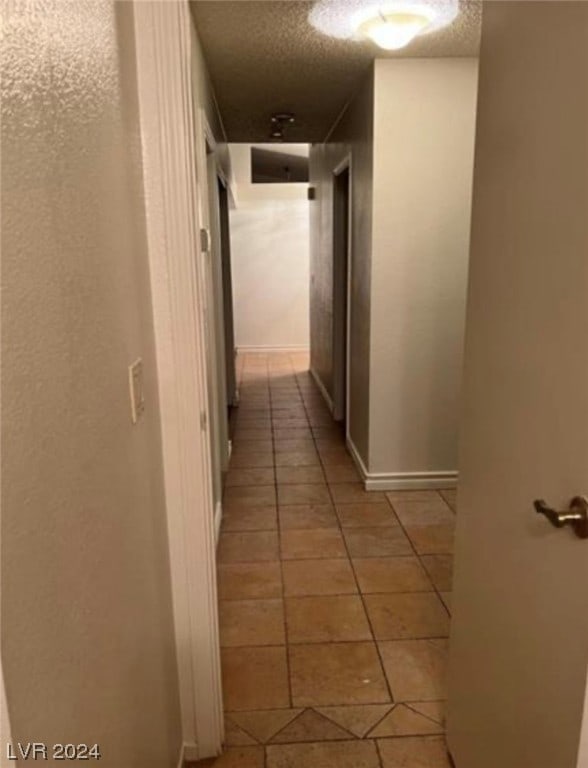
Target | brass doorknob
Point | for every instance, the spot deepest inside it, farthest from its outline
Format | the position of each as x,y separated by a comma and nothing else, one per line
576,515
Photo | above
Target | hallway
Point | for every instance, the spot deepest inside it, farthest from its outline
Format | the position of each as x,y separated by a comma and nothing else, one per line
334,601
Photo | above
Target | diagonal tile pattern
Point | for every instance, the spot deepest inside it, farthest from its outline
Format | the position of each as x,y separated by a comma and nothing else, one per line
311,726
333,600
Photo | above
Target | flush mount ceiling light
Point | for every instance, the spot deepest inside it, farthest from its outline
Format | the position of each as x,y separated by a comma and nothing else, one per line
391,25
393,31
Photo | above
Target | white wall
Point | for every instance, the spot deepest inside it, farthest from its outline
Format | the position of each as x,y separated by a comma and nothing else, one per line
270,257
88,649
424,125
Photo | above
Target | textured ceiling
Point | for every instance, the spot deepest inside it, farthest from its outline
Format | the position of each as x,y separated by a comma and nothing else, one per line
264,57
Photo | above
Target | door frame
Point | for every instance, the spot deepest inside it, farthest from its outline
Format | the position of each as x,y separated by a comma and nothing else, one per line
227,289
209,169
343,409
174,192
215,173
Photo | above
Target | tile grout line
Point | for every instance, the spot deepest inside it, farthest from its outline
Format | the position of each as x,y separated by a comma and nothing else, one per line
334,642
419,557
379,753
264,751
341,533
423,715
303,710
332,705
302,597
279,533
393,706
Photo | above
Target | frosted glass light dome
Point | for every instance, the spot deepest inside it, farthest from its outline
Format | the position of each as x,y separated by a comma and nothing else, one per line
391,25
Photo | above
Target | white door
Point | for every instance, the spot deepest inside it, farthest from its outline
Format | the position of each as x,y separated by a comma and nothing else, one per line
519,647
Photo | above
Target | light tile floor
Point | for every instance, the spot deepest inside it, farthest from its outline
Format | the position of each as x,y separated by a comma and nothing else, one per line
334,601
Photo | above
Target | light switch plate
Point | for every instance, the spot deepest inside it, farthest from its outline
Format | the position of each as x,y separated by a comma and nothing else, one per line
136,390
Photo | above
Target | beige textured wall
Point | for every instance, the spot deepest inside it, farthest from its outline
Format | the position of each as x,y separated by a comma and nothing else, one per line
423,169
353,133
87,640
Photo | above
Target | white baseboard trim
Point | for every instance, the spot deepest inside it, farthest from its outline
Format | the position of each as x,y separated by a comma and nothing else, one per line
267,349
189,754
400,481
322,390
410,481
218,518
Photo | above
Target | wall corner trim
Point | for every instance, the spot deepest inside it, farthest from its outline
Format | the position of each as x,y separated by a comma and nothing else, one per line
401,481
322,389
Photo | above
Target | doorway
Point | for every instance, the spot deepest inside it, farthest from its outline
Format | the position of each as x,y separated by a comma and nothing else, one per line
215,329
341,262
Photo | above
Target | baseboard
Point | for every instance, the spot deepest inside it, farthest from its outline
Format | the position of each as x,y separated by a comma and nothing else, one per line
262,348
189,754
218,518
400,481
361,468
322,390
410,481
